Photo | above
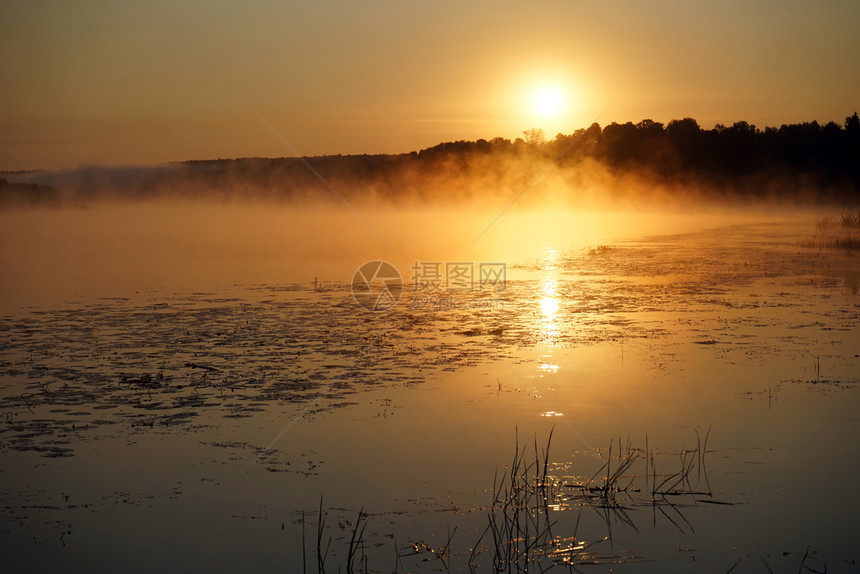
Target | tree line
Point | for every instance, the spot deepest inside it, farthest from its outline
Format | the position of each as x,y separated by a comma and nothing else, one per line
807,161
815,154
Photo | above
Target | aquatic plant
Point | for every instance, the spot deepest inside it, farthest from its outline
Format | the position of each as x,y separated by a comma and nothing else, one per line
523,529
851,220
829,237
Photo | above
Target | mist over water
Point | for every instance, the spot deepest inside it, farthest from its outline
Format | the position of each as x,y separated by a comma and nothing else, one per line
218,342
110,249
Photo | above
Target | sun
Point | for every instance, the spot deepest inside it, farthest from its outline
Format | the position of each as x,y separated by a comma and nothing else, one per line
541,97
548,101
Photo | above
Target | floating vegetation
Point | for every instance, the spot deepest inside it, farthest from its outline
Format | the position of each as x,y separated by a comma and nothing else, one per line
601,250
202,383
192,361
816,380
197,359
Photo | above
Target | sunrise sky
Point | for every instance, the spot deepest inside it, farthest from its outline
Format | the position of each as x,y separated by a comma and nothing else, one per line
107,82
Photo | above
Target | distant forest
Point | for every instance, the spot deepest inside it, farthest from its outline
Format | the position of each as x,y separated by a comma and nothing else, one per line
794,162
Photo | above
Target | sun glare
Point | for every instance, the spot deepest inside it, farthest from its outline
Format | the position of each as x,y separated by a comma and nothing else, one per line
548,102
543,95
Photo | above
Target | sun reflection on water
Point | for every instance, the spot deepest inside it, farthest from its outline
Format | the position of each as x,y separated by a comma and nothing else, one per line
548,298
548,306
549,367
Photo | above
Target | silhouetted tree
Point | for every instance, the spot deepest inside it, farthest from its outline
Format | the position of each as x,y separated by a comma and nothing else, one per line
823,157
852,124
534,137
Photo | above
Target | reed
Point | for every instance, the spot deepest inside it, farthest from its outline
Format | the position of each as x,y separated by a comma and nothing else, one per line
356,543
523,532
829,234
851,220
322,554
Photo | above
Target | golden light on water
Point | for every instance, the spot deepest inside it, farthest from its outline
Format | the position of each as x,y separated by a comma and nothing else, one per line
548,306
549,367
549,297
549,261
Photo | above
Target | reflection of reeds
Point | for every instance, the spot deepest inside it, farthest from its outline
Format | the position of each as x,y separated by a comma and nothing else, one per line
519,515
519,522
800,569
524,532
608,492
679,483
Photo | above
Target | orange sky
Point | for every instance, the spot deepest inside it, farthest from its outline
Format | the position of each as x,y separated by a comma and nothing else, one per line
99,82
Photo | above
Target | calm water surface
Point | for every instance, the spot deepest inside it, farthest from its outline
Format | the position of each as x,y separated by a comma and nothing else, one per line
176,392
